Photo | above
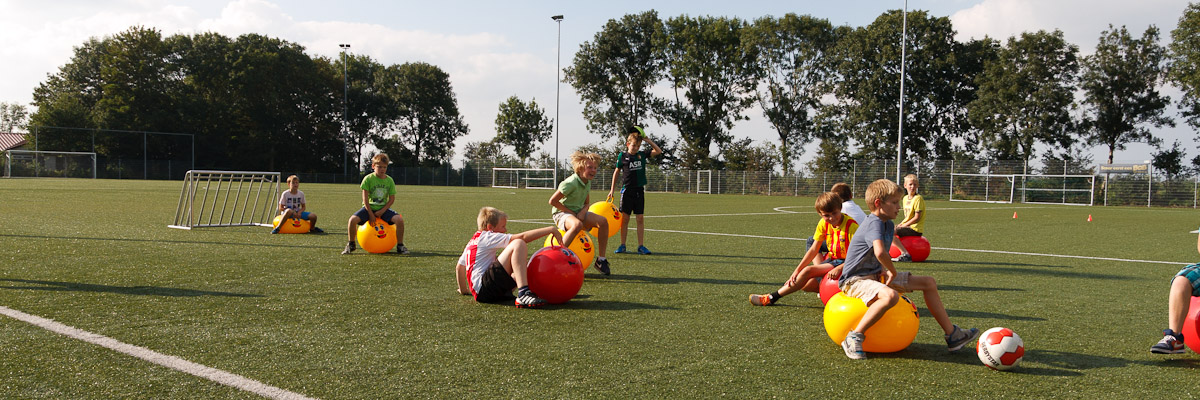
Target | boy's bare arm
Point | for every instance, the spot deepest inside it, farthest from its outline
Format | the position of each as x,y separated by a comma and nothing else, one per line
366,201
884,256
613,187
656,150
535,234
460,275
391,199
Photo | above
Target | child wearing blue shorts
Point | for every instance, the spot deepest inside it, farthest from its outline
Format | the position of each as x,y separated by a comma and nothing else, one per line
1184,285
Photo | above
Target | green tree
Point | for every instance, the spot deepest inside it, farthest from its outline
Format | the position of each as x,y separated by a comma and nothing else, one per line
428,120
1169,162
615,71
832,155
1120,83
523,126
712,77
794,73
743,155
487,152
13,117
1185,65
1026,95
939,82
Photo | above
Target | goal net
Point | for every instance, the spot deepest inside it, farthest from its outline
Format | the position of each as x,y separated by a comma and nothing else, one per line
227,198
986,188
54,164
1075,190
523,178
704,181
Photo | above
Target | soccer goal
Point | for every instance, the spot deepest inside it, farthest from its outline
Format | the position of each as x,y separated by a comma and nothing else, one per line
55,164
1074,190
704,181
227,198
527,178
984,188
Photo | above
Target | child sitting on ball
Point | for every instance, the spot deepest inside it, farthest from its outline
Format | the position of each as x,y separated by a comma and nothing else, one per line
914,217
570,212
868,273
1184,285
292,205
834,228
378,195
495,262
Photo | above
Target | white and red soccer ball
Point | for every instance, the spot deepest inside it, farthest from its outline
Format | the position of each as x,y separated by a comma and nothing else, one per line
1000,348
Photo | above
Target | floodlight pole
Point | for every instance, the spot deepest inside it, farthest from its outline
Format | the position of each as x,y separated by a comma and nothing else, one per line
557,94
903,54
345,108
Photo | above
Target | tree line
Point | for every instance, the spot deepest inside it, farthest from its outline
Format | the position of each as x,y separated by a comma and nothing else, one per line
253,102
256,101
840,87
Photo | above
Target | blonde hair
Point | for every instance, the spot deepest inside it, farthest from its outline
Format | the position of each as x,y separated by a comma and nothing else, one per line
381,158
293,178
829,202
490,216
578,158
881,190
911,177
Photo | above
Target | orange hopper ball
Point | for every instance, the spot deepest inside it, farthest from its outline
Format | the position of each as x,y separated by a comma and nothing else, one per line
378,238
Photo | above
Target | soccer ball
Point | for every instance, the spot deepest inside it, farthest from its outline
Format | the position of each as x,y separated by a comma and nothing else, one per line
1000,348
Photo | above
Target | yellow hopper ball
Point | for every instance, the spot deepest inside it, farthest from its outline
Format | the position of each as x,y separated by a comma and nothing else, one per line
893,332
582,247
609,211
292,225
379,238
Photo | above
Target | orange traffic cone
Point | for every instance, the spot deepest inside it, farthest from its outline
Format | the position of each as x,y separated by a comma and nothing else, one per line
1014,215
1089,217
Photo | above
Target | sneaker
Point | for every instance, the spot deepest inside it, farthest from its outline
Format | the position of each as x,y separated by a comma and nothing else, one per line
1168,345
903,258
620,249
400,249
960,337
316,230
529,300
643,250
602,266
760,299
349,248
274,231
853,346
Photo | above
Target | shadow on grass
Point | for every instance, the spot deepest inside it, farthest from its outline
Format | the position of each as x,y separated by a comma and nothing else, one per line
972,262
1058,274
959,288
271,245
981,314
136,290
792,260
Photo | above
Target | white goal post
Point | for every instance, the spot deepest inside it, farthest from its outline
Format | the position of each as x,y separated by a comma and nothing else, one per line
704,181
227,198
982,188
527,178
57,164
1072,190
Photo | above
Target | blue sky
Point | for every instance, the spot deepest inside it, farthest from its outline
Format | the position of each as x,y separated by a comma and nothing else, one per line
493,50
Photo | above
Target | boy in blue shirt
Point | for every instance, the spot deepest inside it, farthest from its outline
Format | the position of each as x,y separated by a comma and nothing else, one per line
868,273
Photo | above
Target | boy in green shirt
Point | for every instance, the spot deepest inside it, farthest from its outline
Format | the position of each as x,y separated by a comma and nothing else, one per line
570,206
378,194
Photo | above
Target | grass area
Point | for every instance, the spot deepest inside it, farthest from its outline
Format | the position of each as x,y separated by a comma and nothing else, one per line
290,311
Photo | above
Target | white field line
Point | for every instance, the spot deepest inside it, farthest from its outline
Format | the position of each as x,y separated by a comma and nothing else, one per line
176,363
536,221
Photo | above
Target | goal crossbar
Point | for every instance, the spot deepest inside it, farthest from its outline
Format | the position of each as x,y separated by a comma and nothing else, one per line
227,198
527,178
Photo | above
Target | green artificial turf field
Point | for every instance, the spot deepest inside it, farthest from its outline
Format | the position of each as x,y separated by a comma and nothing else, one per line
291,312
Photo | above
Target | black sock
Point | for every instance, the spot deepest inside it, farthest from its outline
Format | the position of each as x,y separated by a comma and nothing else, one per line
523,290
774,296
350,243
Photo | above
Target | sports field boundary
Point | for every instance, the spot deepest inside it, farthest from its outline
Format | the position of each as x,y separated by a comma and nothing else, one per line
169,361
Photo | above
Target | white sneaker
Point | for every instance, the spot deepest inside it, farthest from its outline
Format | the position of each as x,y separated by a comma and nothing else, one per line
853,346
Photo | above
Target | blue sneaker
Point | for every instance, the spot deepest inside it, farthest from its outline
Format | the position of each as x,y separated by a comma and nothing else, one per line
620,249
643,250
960,337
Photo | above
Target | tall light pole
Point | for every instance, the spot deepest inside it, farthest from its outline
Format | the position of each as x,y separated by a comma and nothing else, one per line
903,53
557,93
345,106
